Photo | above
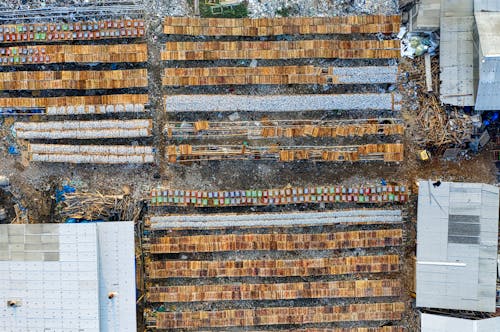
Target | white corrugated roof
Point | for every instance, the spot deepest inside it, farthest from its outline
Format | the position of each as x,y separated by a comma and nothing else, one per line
439,323
457,236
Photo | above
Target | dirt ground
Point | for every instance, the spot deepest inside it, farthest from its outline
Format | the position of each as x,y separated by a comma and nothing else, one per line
32,186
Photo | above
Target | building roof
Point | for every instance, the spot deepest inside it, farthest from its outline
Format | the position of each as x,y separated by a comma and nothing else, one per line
438,323
456,61
61,274
428,14
456,8
457,237
488,27
487,5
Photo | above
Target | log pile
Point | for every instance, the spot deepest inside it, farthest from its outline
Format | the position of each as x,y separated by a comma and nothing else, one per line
273,268
276,242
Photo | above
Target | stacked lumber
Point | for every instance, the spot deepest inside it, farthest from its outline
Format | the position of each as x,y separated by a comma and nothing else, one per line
78,80
96,154
196,26
75,101
25,55
368,152
274,75
53,32
277,291
273,268
83,129
298,49
283,196
280,315
276,242
284,128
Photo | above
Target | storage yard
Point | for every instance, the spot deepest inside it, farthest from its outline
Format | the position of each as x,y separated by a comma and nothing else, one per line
270,163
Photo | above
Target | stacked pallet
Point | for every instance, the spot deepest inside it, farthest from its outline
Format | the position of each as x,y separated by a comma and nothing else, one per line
276,242
14,56
77,80
275,75
277,291
284,128
281,25
353,153
83,129
266,220
53,32
273,268
299,49
280,315
96,154
284,196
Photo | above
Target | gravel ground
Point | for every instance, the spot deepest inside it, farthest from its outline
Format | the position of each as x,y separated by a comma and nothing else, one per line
271,8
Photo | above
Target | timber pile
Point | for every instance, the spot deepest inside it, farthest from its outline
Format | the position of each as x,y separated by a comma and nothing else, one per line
273,75
438,128
284,128
273,268
368,152
299,49
15,56
54,32
278,291
276,242
196,26
280,315
95,206
77,80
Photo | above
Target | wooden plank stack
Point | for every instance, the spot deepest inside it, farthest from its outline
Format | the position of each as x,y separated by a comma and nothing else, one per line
275,291
45,54
74,80
298,49
273,268
280,315
54,32
275,242
260,75
196,26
